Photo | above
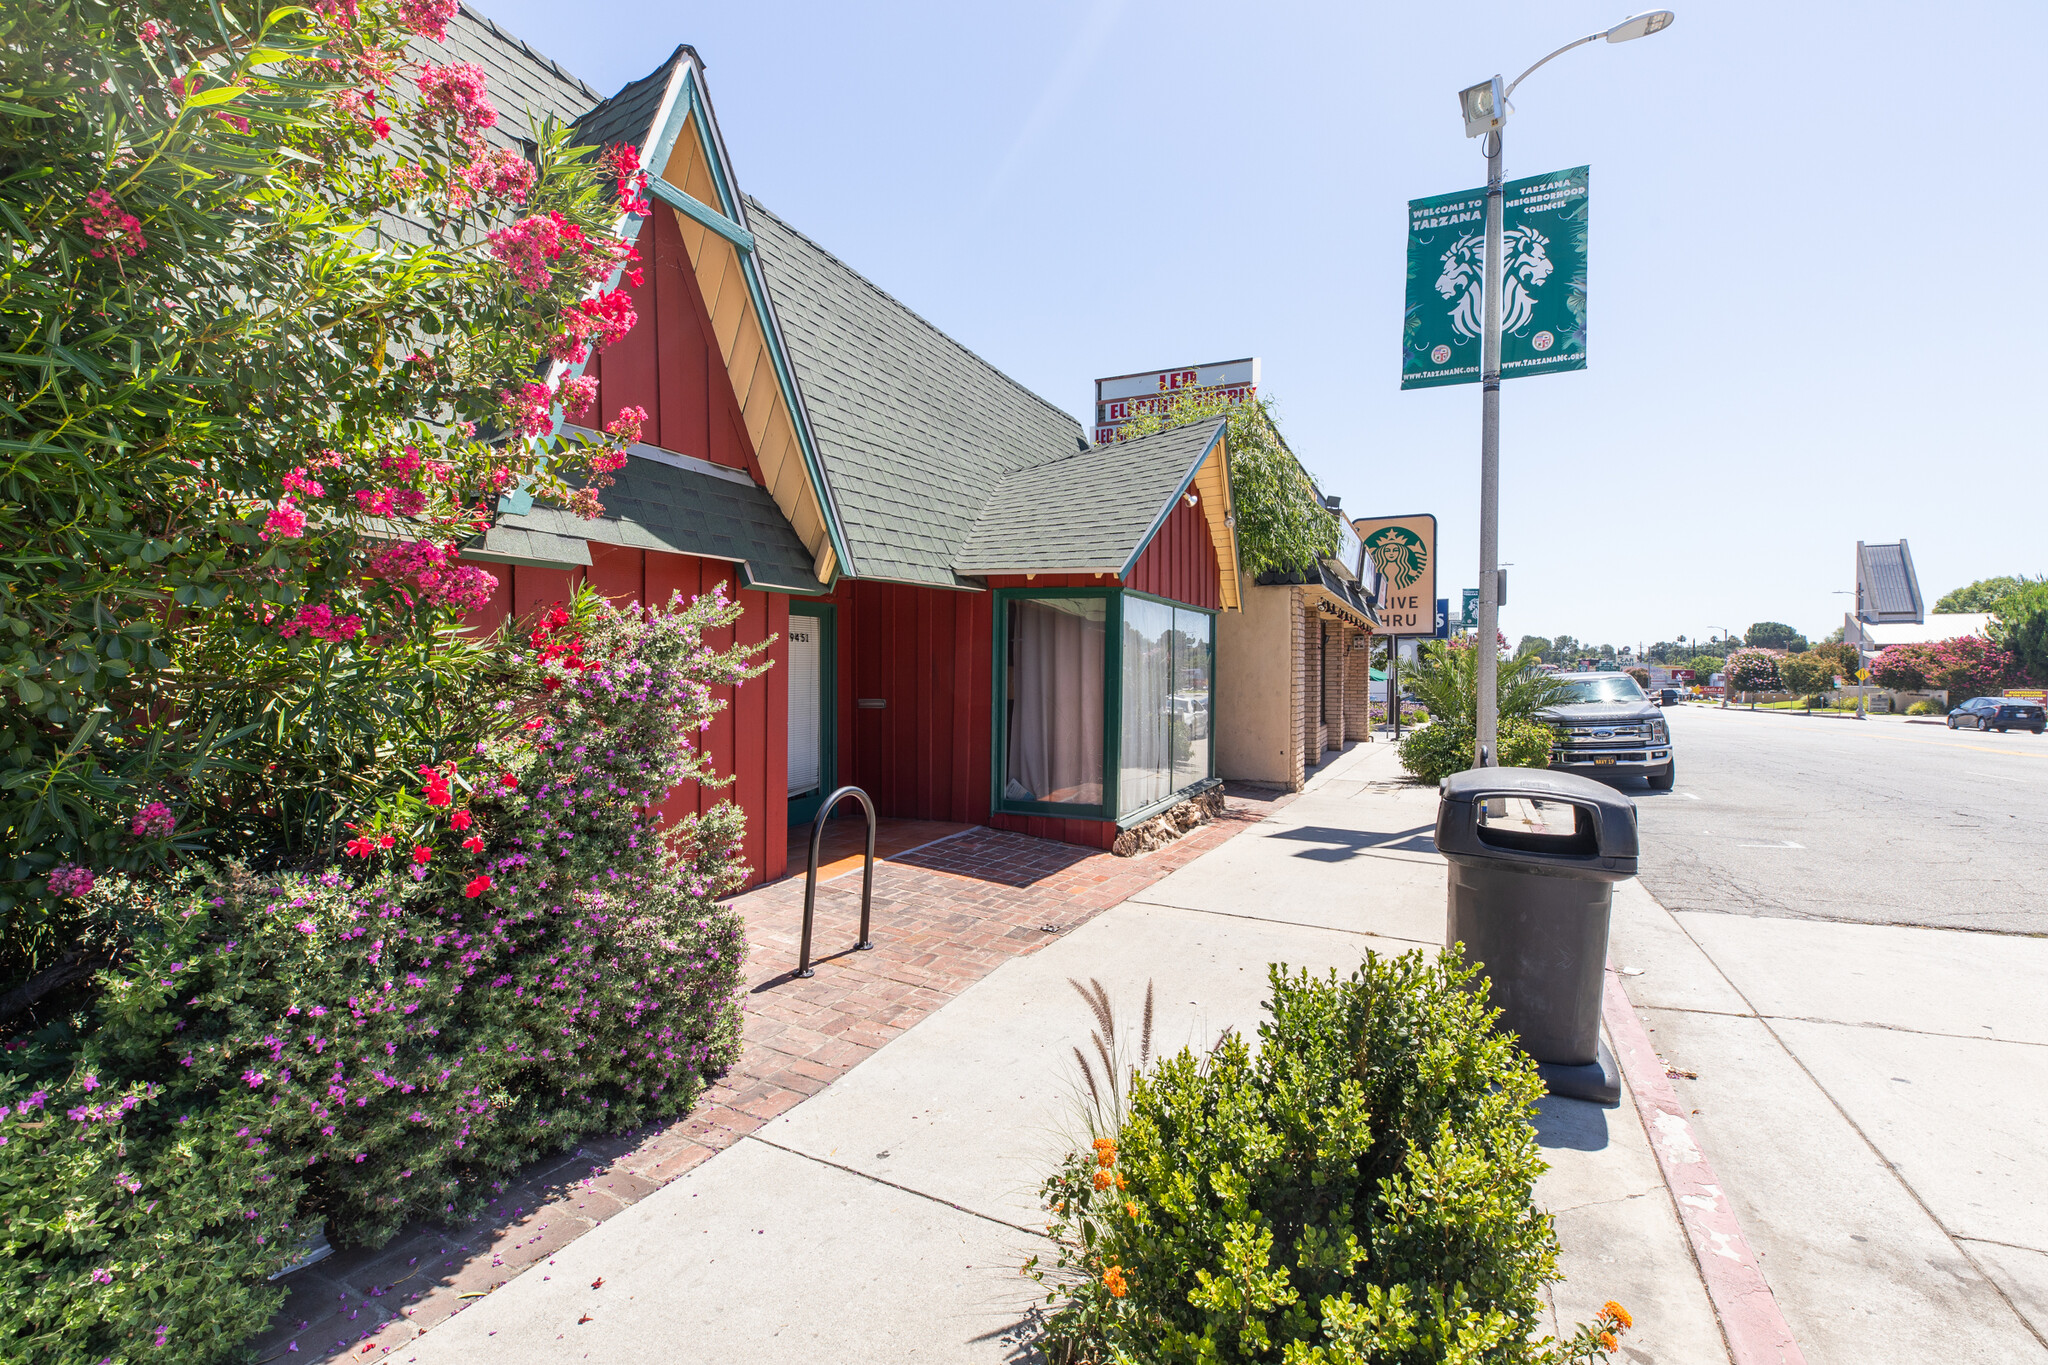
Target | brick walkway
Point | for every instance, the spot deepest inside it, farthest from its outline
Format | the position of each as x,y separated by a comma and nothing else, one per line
944,916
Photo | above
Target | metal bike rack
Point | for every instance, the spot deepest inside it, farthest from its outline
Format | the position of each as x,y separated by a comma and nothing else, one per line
867,876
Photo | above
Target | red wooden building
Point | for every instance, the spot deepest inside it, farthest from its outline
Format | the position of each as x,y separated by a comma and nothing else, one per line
976,616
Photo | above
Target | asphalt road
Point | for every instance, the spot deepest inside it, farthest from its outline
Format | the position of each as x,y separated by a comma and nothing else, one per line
1877,822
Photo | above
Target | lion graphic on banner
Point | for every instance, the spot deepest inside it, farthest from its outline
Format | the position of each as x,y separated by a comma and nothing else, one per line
1528,266
1399,554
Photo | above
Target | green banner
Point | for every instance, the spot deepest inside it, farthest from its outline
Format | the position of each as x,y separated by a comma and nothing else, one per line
1543,307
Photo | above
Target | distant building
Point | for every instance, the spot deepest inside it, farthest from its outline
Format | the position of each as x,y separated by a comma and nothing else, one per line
1890,610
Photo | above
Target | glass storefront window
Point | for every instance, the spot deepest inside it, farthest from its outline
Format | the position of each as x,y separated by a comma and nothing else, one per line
1053,689
1193,659
1145,775
1167,657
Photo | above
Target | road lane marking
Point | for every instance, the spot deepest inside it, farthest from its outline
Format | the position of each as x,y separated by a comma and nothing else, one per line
1689,796
1787,844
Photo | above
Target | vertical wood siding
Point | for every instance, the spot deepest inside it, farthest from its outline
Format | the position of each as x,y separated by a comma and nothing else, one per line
1180,563
670,365
927,653
750,736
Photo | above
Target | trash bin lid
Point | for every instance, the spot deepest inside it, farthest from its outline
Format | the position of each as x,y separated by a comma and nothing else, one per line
1539,819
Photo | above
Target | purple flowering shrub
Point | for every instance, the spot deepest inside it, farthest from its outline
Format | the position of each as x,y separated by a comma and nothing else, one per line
382,1041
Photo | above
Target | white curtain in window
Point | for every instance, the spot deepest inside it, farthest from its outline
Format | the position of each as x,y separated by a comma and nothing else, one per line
1055,699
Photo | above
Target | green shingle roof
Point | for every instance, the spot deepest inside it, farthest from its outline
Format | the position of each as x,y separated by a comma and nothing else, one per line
657,506
915,430
1090,511
628,116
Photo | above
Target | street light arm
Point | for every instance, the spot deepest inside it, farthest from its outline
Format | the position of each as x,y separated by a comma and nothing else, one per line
1576,42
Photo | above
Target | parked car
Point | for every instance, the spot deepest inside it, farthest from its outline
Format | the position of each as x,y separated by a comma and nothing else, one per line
1668,696
2000,714
1606,725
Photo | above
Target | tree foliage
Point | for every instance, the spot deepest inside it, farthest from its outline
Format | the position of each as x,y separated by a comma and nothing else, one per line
1752,670
1985,594
265,319
1774,635
1282,527
1445,679
2021,626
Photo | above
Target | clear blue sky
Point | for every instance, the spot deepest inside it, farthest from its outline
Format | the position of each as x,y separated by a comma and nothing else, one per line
1813,312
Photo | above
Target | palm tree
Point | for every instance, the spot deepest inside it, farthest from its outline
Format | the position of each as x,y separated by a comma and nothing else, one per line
1446,681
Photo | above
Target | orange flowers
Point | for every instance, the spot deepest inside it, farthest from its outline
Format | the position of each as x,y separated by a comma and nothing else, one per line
1105,1152
1102,1181
1130,1208
1609,1323
1113,1281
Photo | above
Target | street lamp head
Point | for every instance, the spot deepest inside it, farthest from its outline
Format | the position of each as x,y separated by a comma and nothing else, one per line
1484,106
1641,25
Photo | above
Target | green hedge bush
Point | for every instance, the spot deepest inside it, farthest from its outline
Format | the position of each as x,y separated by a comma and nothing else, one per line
1359,1189
1444,747
530,960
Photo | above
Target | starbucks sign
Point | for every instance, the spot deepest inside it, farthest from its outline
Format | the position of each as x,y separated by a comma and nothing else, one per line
1543,294
1403,549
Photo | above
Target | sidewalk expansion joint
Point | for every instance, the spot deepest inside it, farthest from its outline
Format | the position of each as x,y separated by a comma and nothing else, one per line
1847,1023
1290,923
1627,1008
878,1180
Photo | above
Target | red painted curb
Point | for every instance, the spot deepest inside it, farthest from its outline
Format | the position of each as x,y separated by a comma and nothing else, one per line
1756,1331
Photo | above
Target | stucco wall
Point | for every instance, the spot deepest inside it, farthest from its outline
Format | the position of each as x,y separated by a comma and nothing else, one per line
1258,703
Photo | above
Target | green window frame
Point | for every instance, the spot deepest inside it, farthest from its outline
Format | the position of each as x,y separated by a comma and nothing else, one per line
1112,706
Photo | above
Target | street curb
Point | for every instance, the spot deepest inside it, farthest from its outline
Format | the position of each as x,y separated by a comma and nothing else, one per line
1756,1331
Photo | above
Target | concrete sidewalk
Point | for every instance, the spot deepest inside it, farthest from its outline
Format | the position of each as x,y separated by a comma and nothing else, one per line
885,1218
1874,1097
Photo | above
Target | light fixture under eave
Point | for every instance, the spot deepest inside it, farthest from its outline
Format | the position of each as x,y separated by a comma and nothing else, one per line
1641,25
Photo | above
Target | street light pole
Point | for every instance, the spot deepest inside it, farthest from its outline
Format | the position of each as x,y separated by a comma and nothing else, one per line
1488,754
1486,110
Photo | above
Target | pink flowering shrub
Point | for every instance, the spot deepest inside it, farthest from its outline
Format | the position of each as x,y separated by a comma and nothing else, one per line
1965,667
118,232
1752,670
219,616
386,1039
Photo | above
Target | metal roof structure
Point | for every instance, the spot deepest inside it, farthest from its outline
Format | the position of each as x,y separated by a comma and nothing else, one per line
1886,587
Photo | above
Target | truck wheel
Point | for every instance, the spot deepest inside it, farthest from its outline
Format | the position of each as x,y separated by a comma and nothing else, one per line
1661,782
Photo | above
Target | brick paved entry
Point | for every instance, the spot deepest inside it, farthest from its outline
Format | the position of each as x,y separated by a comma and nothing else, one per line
945,916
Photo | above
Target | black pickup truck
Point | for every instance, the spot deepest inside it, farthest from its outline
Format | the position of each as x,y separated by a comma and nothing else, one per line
1606,725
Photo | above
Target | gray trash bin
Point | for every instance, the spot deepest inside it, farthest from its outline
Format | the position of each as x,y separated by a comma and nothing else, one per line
1534,856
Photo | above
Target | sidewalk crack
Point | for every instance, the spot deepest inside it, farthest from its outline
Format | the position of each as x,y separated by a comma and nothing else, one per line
878,1180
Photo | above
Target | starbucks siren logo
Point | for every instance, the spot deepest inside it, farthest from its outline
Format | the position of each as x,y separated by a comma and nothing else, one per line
1440,354
1398,553
1463,280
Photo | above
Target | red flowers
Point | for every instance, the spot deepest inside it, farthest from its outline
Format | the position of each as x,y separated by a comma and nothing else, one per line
623,160
438,793
474,843
118,231
626,426
509,781
422,855
531,409
360,847
477,886
461,819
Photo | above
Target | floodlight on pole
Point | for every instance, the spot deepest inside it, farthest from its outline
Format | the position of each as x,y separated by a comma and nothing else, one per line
1485,109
